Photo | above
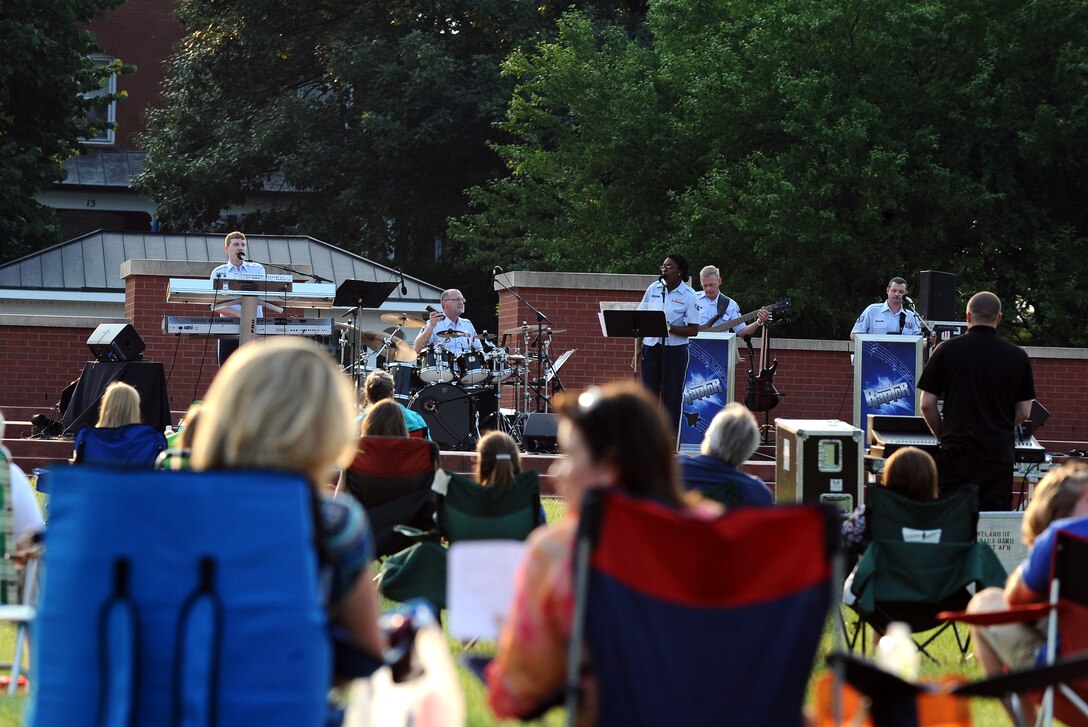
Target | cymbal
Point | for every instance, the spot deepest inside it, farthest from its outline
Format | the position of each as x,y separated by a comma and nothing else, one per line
516,358
397,350
450,333
485,336
402,319
519,331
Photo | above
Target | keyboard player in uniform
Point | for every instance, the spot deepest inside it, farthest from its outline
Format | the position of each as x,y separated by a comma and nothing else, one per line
236,247
987,386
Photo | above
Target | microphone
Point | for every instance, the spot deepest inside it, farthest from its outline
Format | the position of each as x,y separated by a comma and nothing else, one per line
242,257
403,287
908,301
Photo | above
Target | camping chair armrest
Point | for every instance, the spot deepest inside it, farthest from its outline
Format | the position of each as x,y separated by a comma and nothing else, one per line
1016,614
434,536
1032,679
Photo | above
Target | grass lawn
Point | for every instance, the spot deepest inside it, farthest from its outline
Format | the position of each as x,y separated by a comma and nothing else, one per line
984,712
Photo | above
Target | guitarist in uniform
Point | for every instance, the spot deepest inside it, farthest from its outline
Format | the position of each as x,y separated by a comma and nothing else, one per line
715,306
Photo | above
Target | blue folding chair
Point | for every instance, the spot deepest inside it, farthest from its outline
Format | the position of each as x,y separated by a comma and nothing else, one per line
180,598
133,445
698,622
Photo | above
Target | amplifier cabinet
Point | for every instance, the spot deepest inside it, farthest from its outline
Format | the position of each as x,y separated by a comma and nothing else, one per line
819,461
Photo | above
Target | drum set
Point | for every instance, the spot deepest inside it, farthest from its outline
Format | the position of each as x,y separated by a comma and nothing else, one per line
458,389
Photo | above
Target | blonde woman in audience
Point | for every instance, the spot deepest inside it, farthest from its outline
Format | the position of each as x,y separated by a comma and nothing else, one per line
119,439
384,419
1055,497
613,436
283,405
120,406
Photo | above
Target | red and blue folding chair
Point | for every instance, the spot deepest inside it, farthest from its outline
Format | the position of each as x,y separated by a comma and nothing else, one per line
698,621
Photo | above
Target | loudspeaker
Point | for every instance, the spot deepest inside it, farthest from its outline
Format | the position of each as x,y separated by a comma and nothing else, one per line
937,295
539,433
116,342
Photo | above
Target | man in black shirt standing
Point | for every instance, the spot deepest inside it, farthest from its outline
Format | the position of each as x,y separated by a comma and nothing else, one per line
987,387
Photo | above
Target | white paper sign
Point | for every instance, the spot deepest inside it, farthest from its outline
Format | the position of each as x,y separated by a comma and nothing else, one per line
480,586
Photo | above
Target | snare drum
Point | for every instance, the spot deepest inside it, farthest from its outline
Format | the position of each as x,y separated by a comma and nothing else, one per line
436,365
472,367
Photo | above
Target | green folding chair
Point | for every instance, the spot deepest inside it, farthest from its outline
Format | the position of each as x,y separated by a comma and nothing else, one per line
921,560
465,510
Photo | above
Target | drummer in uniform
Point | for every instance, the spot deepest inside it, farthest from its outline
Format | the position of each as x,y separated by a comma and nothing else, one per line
450,319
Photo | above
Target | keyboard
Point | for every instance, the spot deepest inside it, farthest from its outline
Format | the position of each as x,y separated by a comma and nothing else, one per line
201,326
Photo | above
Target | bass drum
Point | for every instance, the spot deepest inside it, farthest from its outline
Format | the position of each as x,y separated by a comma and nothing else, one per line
450,413
447,411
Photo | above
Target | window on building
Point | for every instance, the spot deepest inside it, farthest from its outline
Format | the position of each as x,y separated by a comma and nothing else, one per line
105,112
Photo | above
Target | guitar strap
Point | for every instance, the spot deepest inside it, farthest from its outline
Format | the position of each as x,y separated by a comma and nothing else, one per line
723,306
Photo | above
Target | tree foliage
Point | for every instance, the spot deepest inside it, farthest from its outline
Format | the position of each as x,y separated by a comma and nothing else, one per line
371,117
43,112
810,148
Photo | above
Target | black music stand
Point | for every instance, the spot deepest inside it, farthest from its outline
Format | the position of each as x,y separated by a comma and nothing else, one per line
634,324
359,294
362,294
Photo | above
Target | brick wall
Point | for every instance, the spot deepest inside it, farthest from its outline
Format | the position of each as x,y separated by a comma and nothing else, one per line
143,34
38,361
815,377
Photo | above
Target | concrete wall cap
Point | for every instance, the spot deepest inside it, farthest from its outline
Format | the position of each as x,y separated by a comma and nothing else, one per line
573,281
31,321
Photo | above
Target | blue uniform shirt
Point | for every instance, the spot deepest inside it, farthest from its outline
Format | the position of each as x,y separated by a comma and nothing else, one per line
878,318
708,310
679,305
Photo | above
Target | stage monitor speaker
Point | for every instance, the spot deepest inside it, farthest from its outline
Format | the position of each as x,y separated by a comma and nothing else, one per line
937,296
539,433
116,342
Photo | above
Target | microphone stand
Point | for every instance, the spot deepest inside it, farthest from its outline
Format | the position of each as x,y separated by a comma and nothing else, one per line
314,276
542,350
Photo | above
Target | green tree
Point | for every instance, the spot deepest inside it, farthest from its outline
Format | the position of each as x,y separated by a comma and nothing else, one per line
43,110
809,148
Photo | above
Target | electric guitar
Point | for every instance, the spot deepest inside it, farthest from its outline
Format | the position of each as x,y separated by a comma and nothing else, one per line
779,306
762,394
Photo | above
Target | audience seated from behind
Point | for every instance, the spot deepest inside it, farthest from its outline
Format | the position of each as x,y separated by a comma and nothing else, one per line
180,443
596,431
910,472
119,439
379,386
283,405
1060,502
731,438
26,515
384,419
498,462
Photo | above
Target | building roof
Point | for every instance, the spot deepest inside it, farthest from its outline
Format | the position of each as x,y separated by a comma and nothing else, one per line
103,168
92,262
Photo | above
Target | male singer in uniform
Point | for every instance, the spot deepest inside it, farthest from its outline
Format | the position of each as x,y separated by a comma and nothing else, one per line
889,316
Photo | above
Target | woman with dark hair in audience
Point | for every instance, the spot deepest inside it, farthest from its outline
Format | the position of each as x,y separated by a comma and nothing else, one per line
384,419
498,463
283,405
614,436
497,459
